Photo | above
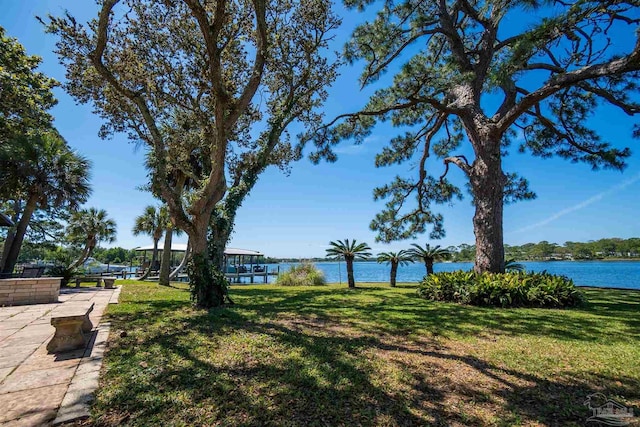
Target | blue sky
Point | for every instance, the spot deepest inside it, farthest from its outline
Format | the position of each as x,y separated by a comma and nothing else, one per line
297,215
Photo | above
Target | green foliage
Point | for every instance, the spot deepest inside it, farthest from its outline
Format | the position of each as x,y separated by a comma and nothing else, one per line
42,179
349,250
502,289
26,93
89,227
401,257
428,253
115,255
305,274
210,90
35,251
61,271
512,265
152,222
42,165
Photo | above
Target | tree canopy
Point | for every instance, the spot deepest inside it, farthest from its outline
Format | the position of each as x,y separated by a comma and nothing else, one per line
209,87
26,94
466,74
89,227
39,172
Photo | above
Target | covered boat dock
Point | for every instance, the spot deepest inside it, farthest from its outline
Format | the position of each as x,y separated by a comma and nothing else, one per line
238,263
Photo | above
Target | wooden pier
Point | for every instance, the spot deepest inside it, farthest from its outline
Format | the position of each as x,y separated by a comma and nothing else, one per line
232,277
252,275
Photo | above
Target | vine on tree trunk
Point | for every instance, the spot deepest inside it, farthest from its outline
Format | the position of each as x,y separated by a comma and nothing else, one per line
207,284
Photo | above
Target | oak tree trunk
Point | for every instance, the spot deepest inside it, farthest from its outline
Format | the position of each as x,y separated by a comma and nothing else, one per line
206,291
21,230
487,184
394,272
218,239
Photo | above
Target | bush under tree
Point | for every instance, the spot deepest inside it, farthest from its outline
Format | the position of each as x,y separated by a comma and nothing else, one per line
502,289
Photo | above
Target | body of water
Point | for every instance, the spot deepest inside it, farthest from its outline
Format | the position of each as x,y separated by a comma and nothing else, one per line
607,274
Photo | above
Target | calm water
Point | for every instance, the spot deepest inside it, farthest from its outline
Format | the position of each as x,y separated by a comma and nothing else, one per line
613,274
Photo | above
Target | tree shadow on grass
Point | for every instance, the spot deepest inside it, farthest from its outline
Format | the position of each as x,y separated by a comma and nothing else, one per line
223,367
609,317
316,385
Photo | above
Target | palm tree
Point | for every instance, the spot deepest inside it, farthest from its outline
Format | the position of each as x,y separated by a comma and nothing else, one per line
512,265
153,223
395,259
165,262
350,251
39,171
428,254
90,226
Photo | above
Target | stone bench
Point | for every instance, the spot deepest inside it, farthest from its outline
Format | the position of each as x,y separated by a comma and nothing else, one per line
72,327
108,280
80,279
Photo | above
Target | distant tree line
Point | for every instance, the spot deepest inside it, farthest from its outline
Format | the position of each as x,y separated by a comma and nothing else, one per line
49,252
544,250
595,249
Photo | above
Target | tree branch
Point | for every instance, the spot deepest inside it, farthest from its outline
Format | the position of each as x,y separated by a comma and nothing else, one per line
258,66
558,82
629,109
135,97
460,161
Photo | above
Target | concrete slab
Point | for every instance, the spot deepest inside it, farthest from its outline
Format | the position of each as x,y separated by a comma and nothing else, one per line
21,380
80,394
4,372
37,387
42,418
7,333
29,403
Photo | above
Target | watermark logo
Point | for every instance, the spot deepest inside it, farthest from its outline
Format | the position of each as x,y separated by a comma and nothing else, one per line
607,412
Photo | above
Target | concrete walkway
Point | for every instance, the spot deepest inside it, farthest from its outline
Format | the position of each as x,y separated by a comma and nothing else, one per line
35,386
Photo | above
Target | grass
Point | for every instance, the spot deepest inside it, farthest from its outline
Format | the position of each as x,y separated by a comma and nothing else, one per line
373,356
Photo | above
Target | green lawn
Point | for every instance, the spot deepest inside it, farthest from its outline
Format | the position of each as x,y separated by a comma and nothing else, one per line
374,356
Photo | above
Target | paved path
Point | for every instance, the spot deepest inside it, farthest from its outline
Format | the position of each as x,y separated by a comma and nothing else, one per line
34,383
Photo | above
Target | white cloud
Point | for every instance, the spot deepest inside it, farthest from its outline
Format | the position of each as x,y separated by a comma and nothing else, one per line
357,148
583,204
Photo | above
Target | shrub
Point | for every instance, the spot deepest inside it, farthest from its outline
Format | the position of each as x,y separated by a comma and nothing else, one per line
512,289
305,274
61,271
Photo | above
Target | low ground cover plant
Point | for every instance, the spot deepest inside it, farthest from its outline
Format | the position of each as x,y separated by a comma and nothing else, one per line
305,274
511,289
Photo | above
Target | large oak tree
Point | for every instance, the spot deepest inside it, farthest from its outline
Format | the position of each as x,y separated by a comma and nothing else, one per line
483,73
210,87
